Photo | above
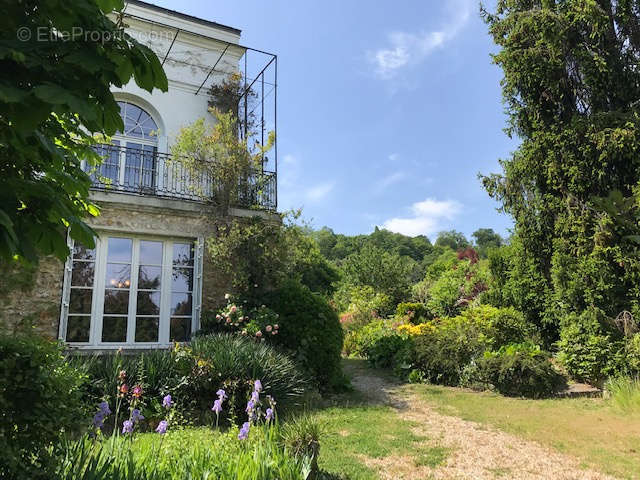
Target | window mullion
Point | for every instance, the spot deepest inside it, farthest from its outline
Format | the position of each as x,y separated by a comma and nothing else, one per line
95,336
165,293
133,292
66,291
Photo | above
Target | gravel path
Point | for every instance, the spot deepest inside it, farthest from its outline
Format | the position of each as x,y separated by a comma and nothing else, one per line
476,451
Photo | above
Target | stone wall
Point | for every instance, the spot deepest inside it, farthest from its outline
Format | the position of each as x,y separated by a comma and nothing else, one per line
30,298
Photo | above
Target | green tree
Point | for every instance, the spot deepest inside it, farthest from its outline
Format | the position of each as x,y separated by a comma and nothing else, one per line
485,240
388,273
55,96
571,87
452,239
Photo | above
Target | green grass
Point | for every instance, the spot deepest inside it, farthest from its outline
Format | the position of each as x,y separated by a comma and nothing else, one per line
354,433
625,393
182,454
355,429
595,431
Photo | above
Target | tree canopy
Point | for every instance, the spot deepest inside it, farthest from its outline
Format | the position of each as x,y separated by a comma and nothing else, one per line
58,61
571,87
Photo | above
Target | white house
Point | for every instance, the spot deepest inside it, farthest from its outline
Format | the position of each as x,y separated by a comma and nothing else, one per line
147,281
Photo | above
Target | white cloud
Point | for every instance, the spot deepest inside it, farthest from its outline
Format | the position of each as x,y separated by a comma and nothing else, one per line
394,157
320,191
406,48
389,180
426,219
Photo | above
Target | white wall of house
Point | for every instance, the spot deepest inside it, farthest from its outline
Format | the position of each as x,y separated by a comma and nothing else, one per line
195,51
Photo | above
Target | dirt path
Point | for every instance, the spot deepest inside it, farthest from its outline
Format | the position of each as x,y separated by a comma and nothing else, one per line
477,451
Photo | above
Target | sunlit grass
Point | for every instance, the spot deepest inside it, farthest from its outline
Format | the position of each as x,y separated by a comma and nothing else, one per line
594,430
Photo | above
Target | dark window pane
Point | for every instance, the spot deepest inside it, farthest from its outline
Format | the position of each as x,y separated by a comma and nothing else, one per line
80,300
119,250
182,254
180,330
78,329
181,304
147,329
82,274
182,280
80,252
114,329
149,277
151,253
116,301
148,303
118,275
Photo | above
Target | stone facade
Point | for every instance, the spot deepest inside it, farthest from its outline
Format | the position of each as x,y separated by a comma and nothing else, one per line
30,300
35,302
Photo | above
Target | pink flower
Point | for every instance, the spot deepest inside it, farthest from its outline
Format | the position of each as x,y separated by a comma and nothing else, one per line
276,326
258,334
233,309
275,332
137,391
268,328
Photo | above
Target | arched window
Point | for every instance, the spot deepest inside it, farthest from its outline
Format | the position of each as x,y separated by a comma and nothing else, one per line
130,161
138,124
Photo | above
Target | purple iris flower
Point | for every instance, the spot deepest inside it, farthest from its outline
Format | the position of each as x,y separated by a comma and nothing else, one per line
162,427
244,431
136,416
127,426
98,420
217,406
104,409
255,396
269,414
257,386
222,395
167,402
250,406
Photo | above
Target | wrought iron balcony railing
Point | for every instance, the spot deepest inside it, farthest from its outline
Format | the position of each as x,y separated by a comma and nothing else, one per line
144,171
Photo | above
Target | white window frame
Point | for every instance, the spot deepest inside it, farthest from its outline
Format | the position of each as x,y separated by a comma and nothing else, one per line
97,301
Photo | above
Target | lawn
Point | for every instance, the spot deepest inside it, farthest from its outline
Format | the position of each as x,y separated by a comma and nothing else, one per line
592,430
357,436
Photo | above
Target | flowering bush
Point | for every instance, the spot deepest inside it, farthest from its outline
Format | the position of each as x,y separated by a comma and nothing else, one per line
260,322
412,330
192,373
40,396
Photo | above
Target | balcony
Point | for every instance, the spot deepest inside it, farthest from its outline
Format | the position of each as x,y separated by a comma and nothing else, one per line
144,171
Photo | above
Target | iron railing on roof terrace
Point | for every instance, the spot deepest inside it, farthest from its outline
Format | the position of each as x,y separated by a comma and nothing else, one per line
142,170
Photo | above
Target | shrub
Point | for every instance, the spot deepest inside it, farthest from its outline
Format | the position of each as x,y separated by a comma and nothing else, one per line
442,354
519,370
233,362
357,343
589,350
192,375
363,305
382,353
415,311
310,329
40,396
632,353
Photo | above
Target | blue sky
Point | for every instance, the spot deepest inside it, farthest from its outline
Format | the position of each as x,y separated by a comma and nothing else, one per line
387,111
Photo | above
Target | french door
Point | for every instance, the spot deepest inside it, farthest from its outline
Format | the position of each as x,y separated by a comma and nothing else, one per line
132,291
